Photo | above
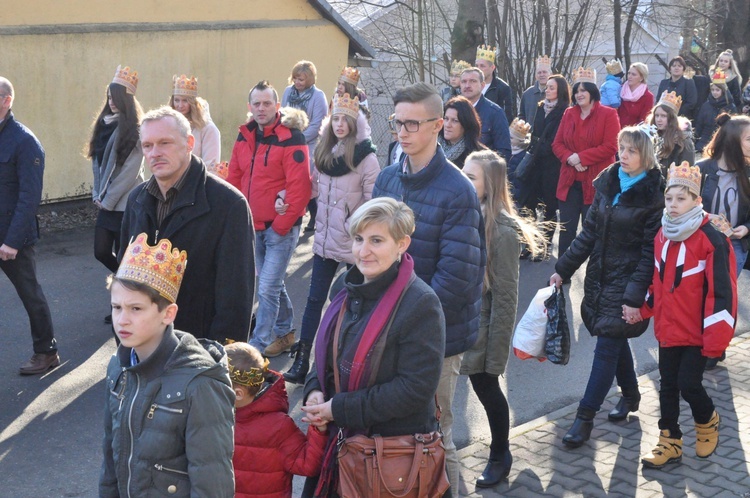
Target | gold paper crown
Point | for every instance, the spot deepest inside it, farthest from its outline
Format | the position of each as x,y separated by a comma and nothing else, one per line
182,85
126,77
486,52
685,175
160,267
248,378
671,100
584,75
520,128
614,66
346,105
458,66
349,75
719,77
544,62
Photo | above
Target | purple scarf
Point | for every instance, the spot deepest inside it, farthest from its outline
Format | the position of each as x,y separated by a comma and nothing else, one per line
363,355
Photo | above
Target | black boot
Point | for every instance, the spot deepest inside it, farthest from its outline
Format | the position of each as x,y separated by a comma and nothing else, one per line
497,469
301,354
580,432
628,403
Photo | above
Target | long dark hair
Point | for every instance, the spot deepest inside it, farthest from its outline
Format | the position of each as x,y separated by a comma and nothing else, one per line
563,90
727,144
127,124
469,119
672,136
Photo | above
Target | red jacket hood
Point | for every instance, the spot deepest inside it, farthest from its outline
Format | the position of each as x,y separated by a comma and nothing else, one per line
272,398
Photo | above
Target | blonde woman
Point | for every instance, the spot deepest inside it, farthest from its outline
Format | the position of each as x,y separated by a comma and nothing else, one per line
185,100
636,98
725,61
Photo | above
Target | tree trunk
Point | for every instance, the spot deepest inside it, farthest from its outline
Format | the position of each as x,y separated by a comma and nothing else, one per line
628,32
468,30
618,28
734,33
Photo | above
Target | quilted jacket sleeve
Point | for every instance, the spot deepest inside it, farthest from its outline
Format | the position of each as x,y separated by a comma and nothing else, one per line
720,306
303,454
296,164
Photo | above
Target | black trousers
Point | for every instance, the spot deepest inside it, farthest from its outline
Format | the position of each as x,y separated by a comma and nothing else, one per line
487,389
572,210
681,369
22,274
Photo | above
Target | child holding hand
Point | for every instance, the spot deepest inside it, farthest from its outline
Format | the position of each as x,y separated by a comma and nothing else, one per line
693,299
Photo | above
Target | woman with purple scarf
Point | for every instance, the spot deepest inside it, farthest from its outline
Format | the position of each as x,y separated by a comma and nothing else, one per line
388,331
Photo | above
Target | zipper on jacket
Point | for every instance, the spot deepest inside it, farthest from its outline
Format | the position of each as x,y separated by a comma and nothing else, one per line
121,394
265,158
130,429
162,468
155,407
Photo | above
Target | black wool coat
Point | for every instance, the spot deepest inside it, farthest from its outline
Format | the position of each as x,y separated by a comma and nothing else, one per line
619,244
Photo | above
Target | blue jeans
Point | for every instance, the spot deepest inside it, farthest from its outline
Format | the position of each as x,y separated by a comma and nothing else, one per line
739,254
275,314
612,359
323,271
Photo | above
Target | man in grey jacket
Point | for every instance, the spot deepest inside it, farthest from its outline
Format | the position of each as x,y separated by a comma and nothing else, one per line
535,93
21,173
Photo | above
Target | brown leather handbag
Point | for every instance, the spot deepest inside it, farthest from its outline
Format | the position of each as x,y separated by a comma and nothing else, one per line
411,466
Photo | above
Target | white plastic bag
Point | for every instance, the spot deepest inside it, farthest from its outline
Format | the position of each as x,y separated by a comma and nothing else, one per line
530,334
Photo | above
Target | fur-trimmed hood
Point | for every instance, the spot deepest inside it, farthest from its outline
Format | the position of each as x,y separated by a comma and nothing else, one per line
294,118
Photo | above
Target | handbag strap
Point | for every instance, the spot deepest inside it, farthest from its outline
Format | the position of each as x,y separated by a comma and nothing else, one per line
336,335
413,472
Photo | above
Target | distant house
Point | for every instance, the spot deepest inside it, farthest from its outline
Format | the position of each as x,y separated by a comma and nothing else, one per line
61,56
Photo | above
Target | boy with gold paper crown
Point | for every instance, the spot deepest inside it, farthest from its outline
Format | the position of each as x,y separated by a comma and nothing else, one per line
693,299
169,410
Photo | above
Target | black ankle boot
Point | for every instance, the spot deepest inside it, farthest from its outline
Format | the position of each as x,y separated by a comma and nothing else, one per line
497,469
301,354
628,403
580,431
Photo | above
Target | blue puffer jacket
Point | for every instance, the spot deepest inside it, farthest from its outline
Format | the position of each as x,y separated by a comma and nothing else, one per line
448,244
610,91
21,173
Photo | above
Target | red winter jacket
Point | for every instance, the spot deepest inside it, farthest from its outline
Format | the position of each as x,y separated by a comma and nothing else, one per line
269,447
594,139
279,161
634,112
693,296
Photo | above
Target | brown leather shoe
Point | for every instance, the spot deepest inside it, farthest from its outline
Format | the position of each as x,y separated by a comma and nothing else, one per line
40,363
280,345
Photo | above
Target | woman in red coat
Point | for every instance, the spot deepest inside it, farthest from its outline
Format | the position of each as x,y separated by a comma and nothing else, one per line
585,143
637,100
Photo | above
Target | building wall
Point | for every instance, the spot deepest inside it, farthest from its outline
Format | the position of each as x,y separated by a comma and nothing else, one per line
61,56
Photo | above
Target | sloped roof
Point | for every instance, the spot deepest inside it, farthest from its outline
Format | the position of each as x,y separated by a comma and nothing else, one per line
357,42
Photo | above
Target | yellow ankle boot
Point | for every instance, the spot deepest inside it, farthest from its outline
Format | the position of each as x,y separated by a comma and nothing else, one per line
707,437
668,450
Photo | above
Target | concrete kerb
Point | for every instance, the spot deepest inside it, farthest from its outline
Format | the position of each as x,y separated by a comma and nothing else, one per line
648,379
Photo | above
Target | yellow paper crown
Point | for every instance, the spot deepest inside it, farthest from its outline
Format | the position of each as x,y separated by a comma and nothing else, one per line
685,175
719,77
584,75
182,85
248,378
126,77
671,100
520,128
458,66
544,62
160,267
486,52
614,67
346,105
349,75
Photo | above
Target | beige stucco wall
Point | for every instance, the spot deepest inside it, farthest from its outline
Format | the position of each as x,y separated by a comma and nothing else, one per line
61,77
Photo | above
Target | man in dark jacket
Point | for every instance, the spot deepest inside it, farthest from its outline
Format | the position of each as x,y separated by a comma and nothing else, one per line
21,173
495,128
535,93
203,215
495,90
448,244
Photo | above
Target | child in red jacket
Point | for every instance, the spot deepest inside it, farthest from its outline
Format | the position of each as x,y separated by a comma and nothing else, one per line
268,446
693,299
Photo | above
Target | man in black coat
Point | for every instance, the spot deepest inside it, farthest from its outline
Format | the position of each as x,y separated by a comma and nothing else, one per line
21,174
495,90
202,215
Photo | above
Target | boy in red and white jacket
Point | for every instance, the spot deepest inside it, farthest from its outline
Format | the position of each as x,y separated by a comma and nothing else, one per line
693,299
269,448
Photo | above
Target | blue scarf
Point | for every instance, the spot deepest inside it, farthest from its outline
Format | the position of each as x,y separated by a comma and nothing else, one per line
626,183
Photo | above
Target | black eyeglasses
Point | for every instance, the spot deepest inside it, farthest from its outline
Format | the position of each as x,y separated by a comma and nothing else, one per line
411,125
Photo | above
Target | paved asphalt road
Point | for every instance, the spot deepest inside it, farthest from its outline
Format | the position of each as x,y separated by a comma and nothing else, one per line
51,426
